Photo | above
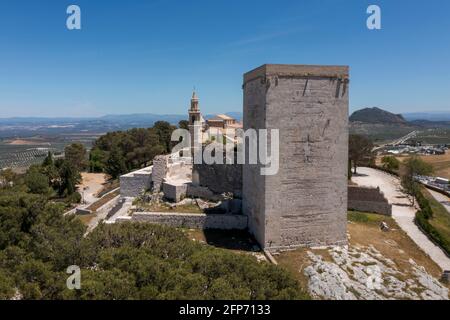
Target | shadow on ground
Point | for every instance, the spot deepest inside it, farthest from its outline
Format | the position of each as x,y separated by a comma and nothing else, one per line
359,175
231,239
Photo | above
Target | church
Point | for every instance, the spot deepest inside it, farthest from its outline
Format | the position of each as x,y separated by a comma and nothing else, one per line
210,129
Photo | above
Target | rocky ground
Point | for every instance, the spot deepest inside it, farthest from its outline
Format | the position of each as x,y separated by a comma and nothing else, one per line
363,273
378,263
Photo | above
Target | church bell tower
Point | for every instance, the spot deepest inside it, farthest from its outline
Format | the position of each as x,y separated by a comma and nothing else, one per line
195,124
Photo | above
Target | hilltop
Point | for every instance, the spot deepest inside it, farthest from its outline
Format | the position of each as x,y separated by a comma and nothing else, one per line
377,115
379,124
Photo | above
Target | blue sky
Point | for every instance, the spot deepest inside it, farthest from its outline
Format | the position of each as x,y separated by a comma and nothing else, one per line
146,55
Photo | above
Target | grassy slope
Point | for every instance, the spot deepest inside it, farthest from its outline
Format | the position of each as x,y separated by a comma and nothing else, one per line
441,218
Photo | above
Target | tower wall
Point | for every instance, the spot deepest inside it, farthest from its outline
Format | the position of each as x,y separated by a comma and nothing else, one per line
305,203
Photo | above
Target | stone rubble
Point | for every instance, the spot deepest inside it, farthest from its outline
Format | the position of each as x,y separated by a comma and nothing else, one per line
363,273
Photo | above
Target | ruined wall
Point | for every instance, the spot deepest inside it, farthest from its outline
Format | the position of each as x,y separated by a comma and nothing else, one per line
305,203
221,178
196,191
160,164
174,192
193,220
368,200
133,183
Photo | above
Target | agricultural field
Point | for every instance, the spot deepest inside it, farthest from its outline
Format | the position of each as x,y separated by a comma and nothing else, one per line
20,153
440,163
17,155
434,136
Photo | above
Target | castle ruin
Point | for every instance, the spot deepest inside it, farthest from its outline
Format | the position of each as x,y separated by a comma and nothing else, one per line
305,203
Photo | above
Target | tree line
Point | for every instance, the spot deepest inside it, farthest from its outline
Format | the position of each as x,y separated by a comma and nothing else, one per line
121,261
116,153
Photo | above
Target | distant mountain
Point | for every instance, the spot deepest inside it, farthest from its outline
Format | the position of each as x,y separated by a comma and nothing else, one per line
429,116
146,118
379,124
430,124
31,126
377,115
111,118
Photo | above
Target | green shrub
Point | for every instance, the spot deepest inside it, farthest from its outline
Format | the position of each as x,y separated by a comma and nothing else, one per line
422,220
73,198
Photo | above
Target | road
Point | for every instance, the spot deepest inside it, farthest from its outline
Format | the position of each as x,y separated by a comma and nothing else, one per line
444,200
402,211
405,138
398,141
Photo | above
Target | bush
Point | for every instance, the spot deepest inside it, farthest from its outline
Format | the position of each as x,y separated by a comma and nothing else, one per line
73,198
121,261
422,220
390,163
37,182
158,262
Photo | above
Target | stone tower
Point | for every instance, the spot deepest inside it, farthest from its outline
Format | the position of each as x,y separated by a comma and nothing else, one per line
195,124
305,203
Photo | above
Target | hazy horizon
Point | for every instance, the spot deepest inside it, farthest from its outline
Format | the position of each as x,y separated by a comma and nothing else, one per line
181,114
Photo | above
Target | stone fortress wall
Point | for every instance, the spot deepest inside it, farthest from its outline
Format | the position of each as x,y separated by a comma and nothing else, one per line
133,183
305,203
166,169
193,220
368,200
220,178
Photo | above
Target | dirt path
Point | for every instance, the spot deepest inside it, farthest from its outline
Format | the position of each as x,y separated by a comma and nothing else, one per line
91,184
402,211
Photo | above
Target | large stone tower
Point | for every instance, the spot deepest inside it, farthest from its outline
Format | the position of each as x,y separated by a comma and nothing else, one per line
305,203
195,125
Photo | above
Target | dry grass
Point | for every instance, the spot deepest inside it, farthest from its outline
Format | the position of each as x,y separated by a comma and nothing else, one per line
27,142
86,218
164,207
296,261
94,207
107,187
92,180
395,244
441,164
